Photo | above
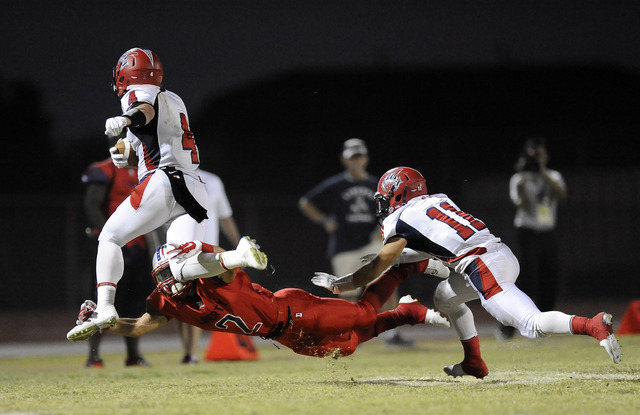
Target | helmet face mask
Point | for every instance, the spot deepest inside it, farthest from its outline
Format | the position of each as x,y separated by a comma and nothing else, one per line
136,67
382,207
396,187
162,275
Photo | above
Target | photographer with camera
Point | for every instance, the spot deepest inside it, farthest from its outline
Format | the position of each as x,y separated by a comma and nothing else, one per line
536,190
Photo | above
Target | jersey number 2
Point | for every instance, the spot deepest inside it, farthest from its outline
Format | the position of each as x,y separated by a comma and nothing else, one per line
463,230
188,142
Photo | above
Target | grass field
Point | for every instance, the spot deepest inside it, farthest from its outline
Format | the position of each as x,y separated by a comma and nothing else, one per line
561,375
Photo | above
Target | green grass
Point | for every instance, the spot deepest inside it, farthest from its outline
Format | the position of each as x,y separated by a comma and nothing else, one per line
561,375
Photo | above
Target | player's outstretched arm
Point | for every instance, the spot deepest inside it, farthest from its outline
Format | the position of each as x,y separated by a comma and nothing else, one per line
367,273
136,327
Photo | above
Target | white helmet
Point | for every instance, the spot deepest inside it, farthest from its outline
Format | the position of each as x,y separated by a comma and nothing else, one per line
161,272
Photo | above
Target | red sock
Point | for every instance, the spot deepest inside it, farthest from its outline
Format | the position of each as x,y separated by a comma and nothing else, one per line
580,325
473,364
594,327
471,349
386,321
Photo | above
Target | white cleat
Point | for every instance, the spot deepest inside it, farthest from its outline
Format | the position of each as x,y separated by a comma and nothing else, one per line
434,318
246,254
101,319
455,370
602,325
612,347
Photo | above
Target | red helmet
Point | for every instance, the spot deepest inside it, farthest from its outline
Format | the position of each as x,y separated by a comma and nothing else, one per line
136,67
396,187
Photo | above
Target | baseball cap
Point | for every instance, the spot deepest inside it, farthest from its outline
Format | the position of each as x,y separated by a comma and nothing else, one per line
354,146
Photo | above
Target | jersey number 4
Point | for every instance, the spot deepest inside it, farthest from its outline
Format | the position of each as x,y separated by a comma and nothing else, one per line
188,142
455,220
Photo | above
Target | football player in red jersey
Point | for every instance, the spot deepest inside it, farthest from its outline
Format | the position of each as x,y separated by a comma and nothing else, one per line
433,226
156,127
305,323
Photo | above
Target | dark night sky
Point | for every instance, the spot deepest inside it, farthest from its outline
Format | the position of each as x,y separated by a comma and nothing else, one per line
212,50
208,48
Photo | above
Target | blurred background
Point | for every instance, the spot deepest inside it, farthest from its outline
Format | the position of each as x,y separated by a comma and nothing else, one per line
274,88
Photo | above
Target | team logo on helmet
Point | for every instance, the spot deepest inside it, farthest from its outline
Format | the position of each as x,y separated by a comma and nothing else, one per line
125,58
149,55
391,183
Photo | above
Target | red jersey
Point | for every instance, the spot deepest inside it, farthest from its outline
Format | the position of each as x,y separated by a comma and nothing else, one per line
240,307
307,324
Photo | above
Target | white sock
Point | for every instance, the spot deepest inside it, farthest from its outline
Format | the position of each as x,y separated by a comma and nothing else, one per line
106,296
554,322
109,269
231,259
203,265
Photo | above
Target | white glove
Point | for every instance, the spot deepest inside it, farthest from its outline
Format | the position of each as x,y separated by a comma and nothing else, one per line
184,251
437,269
113,126
325,280
178,287
118,159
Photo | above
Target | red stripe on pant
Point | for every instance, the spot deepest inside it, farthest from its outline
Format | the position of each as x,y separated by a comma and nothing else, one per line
138,191
483,279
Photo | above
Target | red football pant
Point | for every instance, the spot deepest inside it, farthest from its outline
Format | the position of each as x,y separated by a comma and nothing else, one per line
322,326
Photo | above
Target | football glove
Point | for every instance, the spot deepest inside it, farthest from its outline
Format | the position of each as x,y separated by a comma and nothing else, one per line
325,280
332,283
113,126
86,311
118,159
184,251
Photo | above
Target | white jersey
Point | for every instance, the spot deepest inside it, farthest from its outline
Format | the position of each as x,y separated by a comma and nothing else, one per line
218,206
167,140
435,226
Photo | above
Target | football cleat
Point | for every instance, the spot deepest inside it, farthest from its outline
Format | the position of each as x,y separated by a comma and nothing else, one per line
246,254
101,319
612,347
479,371
189,359
602,330
94,363
140,362
421,314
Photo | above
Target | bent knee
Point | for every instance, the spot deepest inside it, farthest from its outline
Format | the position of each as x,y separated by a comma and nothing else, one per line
442,298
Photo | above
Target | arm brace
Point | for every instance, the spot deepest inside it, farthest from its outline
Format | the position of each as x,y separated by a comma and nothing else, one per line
136,117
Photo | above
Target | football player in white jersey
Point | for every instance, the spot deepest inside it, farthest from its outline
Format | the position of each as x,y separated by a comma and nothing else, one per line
432,226
170,191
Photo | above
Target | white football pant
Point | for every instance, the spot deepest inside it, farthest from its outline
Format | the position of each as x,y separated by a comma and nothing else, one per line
511,306
157,207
